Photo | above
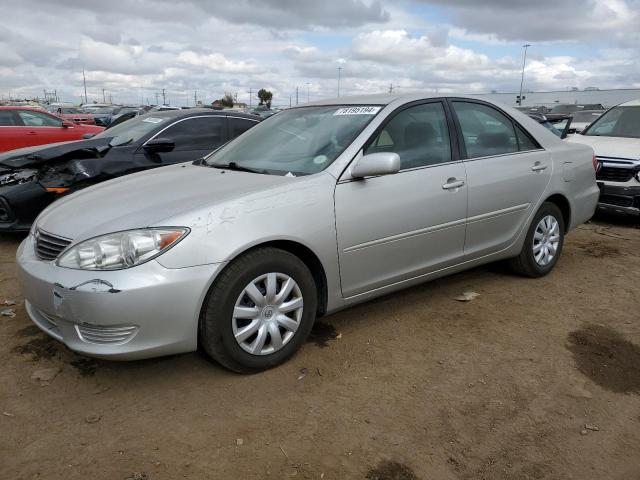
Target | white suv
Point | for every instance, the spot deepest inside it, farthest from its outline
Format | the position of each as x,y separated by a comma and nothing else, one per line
615,137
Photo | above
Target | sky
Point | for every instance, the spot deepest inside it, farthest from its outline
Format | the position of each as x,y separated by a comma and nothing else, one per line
135,48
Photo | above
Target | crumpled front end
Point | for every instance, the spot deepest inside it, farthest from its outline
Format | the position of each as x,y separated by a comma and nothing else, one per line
31,180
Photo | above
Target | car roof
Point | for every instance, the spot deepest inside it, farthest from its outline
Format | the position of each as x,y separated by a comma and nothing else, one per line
191,112
24,107
632,103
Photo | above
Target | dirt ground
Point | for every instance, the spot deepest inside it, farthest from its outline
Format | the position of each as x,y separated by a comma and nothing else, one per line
533,379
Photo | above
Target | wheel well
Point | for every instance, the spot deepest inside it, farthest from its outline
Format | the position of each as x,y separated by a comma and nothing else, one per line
311,261
563,204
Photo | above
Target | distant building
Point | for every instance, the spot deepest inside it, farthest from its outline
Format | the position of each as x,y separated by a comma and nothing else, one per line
608,98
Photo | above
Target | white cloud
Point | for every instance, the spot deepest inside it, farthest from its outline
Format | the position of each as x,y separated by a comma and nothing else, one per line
137,48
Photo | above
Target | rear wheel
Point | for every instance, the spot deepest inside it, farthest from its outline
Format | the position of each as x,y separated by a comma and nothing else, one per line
259,311
543,244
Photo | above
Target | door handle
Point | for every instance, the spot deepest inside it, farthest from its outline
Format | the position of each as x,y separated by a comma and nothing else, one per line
452,184
537,167
31,133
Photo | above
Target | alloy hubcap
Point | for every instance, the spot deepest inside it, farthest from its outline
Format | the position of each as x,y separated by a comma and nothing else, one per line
546,240
267,313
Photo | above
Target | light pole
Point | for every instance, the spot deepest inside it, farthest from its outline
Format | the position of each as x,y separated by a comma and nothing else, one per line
524,61
84,81
339,75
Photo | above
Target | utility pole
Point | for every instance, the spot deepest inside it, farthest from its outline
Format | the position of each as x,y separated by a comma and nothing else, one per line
157,98
164,98
391,88
339,75
289,100
524,61
308,91
296,95
250,96
84,81
103,97
195,98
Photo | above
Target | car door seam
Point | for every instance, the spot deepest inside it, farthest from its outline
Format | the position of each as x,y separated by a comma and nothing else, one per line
498,213
403,236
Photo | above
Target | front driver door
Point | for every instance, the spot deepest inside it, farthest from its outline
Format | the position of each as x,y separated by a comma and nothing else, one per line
397,227
193,137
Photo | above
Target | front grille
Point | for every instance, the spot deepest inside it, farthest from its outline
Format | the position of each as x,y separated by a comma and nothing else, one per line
105,335
613,174
48,246
616,200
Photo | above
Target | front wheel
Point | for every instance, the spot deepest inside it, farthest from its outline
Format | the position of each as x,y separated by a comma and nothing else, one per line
543,244
259,311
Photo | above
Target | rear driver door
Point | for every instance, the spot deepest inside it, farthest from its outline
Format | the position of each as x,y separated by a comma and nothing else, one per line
507,172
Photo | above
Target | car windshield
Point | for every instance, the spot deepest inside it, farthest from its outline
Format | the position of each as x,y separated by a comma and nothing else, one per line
299,141
132,130
585,117
73,111
549,126
617,122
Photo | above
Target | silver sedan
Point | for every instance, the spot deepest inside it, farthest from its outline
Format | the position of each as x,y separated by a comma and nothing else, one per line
317,208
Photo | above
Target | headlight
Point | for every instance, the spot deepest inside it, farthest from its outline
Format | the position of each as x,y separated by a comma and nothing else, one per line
120,250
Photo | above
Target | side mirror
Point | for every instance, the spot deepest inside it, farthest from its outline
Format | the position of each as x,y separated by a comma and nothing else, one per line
87,136
67,124
159,144
374,164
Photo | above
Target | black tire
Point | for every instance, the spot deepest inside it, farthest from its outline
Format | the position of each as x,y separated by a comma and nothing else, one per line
525,264
215,329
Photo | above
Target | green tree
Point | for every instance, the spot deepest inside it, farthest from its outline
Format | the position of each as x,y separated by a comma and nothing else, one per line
265,97
227,101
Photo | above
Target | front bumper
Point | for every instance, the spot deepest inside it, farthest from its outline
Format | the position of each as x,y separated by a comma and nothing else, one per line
619,199
141,312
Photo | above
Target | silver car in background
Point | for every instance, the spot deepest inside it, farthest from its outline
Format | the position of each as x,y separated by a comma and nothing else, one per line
315,209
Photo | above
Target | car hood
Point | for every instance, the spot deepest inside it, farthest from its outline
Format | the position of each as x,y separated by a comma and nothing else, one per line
32,156
147,198
615,147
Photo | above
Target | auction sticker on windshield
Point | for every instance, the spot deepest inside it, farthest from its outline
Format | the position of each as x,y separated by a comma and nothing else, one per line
153,120
367,110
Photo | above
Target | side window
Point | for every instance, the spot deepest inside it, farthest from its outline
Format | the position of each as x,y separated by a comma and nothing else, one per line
37,119
238,126
524,141
6,118
485,130
199,133
418,134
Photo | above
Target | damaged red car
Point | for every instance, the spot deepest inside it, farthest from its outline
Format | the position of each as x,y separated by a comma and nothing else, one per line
75,115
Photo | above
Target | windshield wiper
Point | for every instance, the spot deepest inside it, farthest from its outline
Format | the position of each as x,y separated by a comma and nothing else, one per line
238,168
